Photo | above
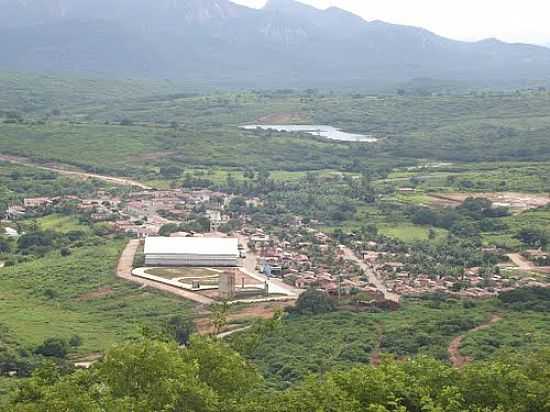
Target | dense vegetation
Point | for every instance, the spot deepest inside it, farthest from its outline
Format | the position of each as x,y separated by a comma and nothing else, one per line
18,182
207,376
144,134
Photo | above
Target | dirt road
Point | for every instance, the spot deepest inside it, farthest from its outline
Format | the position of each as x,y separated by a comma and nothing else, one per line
124,271
521,262
119,181
457,360
373,278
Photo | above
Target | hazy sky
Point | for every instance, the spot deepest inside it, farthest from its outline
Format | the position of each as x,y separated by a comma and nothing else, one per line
510,20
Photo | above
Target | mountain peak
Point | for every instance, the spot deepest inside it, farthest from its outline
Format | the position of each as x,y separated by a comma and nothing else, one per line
287,43
288,6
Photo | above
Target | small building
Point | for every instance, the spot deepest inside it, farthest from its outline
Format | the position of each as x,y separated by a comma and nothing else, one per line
191,251
37,201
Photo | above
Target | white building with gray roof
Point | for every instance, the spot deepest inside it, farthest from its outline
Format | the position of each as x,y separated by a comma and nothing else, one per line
191,251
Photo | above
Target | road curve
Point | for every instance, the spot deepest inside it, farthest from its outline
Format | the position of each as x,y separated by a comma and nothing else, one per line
119,181
124,271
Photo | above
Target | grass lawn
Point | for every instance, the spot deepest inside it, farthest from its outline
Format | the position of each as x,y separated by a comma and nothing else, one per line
60,223
170,273
526,330
418,198
409,232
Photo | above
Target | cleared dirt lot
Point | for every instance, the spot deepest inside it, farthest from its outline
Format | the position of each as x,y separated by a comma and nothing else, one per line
516,201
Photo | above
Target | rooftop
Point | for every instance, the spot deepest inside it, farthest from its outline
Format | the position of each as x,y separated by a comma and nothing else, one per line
192,246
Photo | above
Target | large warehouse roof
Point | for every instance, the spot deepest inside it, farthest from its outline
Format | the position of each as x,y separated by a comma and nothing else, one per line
191,246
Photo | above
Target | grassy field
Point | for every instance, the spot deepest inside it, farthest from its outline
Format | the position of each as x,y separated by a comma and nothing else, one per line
171,273
528,331
79,294
526,177
60,223
409,232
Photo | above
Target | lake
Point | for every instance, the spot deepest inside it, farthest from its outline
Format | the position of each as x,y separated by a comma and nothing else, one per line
328,132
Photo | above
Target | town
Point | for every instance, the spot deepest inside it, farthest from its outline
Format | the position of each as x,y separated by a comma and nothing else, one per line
300,255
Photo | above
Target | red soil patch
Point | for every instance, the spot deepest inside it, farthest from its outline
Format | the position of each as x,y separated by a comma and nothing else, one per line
96,294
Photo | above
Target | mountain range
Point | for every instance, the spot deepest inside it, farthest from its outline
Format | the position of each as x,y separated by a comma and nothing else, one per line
217,42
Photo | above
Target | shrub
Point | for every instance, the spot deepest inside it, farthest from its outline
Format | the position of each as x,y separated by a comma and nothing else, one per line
53,347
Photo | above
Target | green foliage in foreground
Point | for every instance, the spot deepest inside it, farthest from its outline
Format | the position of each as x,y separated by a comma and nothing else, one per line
208,376
300,345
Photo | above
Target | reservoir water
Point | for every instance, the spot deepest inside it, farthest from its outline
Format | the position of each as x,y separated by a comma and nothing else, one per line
328,132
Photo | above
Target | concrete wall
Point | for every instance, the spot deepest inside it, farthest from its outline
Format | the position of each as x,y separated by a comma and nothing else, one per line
187,260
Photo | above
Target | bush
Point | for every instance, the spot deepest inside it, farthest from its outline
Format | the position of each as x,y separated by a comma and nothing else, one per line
525,299
4,246
313,302
180,329
75,341
53,347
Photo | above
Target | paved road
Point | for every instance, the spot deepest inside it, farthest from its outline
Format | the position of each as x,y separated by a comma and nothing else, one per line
231,332
124,271
119,181
373,277
275,285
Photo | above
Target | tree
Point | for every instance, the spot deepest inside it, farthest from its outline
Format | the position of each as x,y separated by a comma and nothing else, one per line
168,229
313,302
219,317
126,122
534,236
171,172
146,376
53,347
180,328
75,341
36,239
4,246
